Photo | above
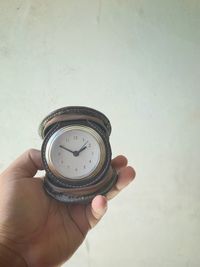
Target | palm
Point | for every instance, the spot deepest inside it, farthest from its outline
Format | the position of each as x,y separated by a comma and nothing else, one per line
55,228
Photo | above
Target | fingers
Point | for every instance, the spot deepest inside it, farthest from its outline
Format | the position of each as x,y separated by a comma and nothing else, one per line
98,207
26,165
96,210
119,162
125,176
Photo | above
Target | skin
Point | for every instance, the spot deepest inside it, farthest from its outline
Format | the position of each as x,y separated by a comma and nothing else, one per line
43,231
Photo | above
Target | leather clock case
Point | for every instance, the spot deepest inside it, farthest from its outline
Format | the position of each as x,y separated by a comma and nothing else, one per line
85,190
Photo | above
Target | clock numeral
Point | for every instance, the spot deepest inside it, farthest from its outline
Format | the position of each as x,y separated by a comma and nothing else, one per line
83,139
76,169
75,137
92,153
67,139
89,145
84,167
90,161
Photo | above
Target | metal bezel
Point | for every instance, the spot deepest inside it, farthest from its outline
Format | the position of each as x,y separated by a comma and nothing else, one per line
60,131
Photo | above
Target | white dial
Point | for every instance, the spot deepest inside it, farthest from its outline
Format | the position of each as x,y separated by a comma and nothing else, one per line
75,152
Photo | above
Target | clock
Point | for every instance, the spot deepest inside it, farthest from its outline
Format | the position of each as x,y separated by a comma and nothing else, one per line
76,154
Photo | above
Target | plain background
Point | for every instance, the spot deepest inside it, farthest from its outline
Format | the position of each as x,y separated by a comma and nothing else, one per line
139,63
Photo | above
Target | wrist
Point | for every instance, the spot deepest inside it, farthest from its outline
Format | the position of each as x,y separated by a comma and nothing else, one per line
10,258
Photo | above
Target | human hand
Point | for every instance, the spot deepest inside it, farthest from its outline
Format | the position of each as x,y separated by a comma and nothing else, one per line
38,230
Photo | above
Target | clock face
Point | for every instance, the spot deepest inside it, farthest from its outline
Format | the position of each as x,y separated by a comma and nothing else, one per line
75,152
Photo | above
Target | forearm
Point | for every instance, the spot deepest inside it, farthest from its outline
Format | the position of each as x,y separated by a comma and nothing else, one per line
10,258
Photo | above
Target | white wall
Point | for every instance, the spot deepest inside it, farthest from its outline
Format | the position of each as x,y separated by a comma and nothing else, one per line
139,63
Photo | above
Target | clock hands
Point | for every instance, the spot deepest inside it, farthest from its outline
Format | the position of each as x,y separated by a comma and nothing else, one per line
83,147
67,149
76,152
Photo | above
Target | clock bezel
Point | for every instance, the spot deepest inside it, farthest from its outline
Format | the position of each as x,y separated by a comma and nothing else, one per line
92,132
92,179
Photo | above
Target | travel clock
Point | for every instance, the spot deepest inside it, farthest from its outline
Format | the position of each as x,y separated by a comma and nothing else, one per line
76,154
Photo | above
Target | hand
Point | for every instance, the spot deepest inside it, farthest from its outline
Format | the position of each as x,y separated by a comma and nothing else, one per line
39,229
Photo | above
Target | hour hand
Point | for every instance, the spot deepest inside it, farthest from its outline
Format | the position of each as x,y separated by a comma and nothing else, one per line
67,149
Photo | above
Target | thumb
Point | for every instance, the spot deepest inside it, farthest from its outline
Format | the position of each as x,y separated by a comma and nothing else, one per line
96,210
25,165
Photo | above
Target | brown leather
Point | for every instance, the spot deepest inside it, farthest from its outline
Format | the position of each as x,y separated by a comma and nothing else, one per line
93,115
87,189
71,117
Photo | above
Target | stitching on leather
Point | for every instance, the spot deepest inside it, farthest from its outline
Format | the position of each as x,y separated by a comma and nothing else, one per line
78,110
